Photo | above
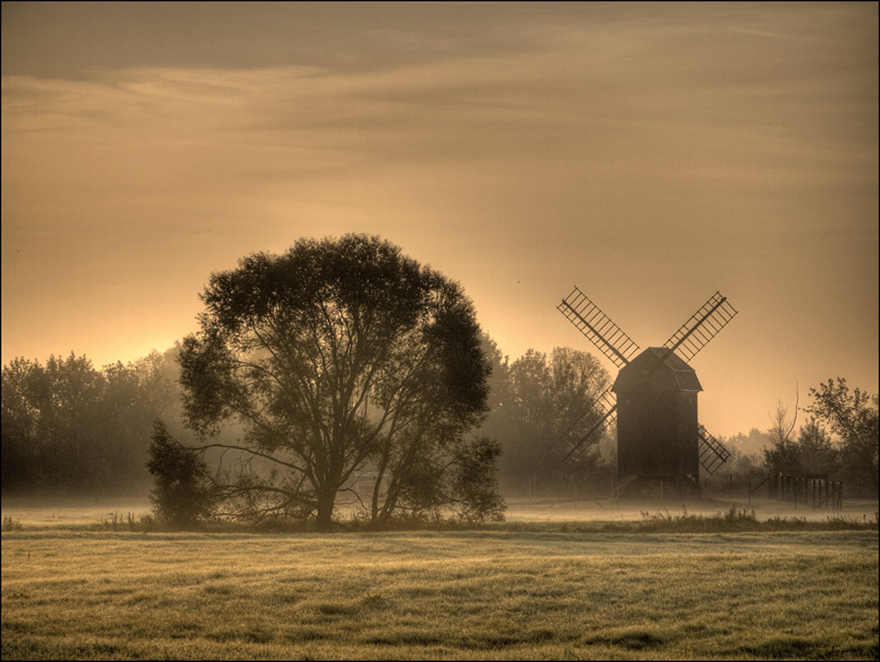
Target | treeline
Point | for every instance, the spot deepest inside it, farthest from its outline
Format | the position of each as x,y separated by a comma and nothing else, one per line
537,396
754,455
533,400
69,428
838,440
851,415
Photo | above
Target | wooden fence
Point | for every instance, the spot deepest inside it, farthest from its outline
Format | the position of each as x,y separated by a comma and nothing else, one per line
809,491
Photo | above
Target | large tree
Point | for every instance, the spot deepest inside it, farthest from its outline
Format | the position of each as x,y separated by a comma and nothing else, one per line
854,417
335,357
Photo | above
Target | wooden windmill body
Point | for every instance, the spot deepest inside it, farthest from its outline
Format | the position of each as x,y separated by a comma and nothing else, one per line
659,436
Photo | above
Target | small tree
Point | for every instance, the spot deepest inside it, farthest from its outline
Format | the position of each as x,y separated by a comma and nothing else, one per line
818,454
854,417
784,455
183,494
475,486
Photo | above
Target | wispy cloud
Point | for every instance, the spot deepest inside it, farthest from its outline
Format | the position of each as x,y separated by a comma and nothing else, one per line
634,143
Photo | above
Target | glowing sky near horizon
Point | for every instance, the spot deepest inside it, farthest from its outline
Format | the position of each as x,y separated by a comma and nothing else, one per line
649,153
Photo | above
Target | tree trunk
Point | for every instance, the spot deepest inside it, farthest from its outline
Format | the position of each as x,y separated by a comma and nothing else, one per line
326,500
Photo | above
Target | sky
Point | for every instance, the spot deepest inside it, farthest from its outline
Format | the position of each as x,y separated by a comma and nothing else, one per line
651,154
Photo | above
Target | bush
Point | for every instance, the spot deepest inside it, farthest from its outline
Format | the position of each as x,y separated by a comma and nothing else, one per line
10,524
184,494
475,484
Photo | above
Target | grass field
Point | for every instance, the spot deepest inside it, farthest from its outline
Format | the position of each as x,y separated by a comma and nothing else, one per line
554,582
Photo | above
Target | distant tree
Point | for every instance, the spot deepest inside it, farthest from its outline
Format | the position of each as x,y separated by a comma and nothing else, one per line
134,396
817,452
784,454
499,398
337,356
543,395
51,424
854,417
755,441
71,428
70,415
743,463
20,434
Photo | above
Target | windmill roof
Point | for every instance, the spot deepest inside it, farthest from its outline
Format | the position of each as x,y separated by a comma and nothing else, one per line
662,369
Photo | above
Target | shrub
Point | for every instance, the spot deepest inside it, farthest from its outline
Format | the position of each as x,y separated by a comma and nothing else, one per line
10,524
184,493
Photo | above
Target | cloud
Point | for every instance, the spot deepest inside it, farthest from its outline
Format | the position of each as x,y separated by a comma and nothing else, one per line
596,118
629,146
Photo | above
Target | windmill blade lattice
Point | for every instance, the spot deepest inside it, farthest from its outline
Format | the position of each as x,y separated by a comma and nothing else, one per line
592,421
597,326
701,327
712,453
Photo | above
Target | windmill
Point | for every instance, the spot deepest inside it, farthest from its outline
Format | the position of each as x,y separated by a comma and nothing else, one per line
658,434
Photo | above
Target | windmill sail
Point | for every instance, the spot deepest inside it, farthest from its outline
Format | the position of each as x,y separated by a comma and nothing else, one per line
591,422
712,453
597,326
701,327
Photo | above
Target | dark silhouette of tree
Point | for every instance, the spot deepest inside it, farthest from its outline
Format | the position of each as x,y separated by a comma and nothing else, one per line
20,433
475,484
67,427
336,356
818,454
184,493
853,416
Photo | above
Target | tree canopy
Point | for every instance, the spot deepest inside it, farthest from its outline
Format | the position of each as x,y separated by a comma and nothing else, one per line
69,428
854,417
533,400
338,357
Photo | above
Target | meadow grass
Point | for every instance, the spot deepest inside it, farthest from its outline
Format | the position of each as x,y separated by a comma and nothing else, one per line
440,595
639,584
